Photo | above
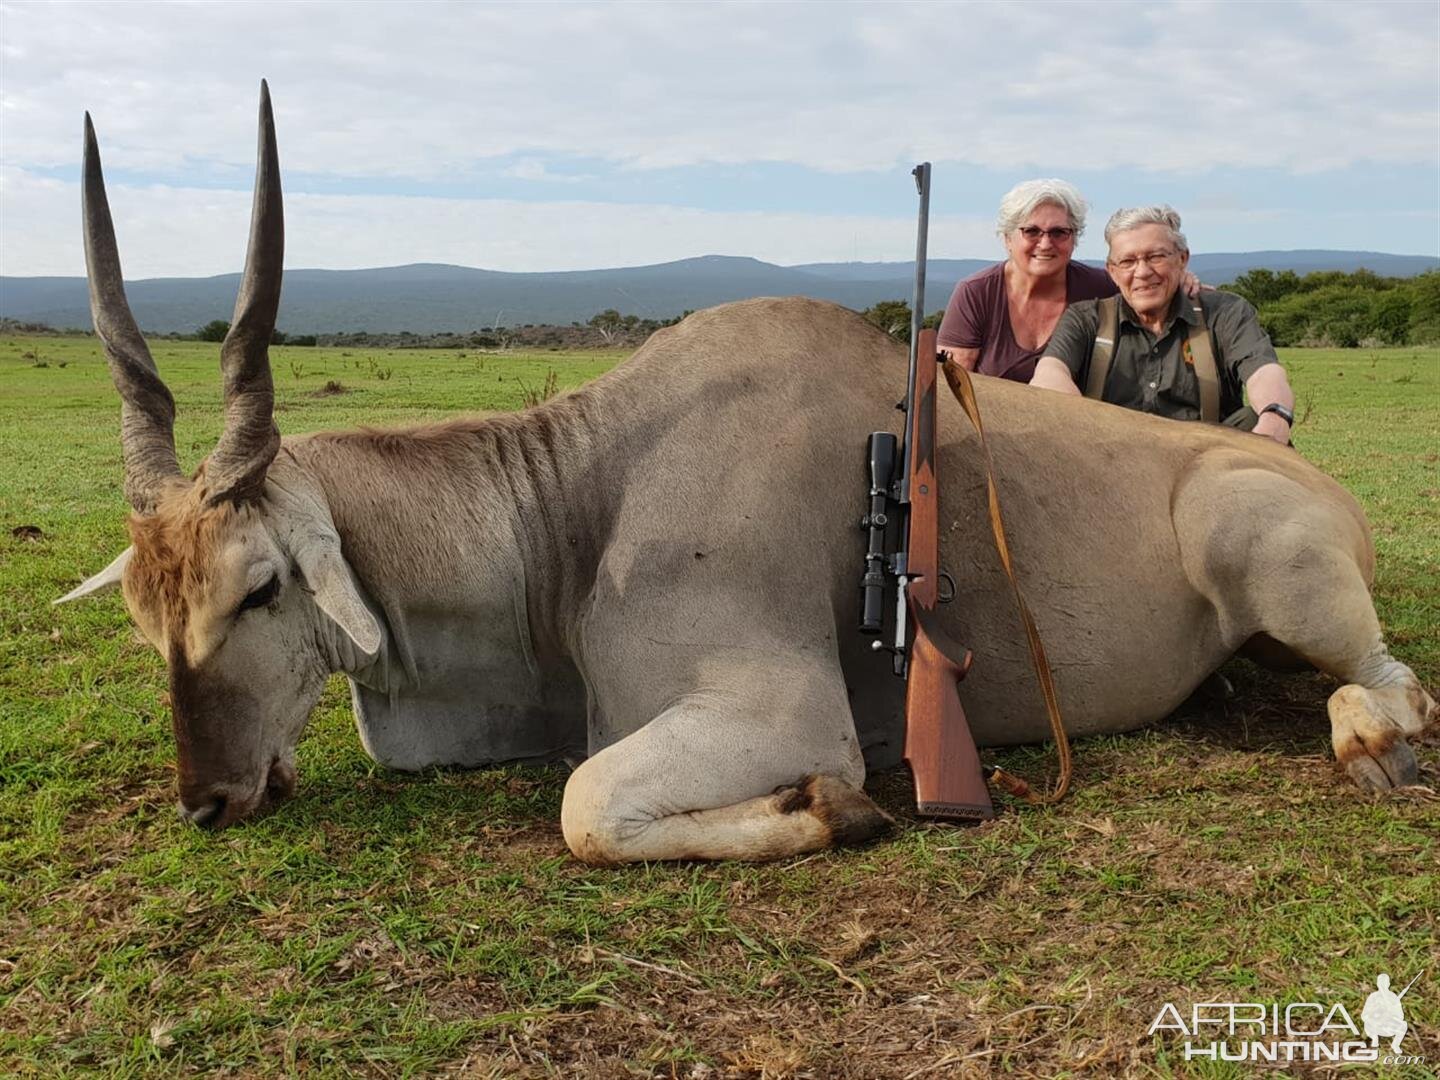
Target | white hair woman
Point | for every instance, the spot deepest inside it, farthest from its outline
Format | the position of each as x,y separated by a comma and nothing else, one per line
999,320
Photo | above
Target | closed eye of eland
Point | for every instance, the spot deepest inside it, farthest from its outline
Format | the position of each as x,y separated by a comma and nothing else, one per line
261,596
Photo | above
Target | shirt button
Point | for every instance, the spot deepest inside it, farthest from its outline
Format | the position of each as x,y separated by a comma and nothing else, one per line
1152,386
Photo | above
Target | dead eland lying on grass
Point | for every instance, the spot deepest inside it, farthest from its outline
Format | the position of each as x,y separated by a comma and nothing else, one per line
658,573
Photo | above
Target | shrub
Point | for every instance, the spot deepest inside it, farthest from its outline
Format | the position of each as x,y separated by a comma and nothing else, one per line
1336,309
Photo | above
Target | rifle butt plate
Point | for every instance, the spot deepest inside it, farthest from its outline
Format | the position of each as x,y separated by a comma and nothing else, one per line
959,813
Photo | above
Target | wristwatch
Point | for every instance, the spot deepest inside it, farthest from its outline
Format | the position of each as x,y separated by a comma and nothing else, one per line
1281,411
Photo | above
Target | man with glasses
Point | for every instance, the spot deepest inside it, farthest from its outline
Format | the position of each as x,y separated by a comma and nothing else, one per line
1156,350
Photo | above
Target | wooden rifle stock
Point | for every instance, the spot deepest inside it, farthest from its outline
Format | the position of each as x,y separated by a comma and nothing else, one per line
939,748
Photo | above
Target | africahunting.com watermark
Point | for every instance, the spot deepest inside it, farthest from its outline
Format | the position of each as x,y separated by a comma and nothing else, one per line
1308,1031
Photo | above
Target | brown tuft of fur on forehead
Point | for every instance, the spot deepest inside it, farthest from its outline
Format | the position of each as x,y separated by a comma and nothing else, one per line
175,550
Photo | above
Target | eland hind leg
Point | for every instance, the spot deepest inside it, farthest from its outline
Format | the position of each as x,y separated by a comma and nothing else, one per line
753,771
1302,583
1381,702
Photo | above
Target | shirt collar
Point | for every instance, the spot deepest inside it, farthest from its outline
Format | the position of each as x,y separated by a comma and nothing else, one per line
1181,307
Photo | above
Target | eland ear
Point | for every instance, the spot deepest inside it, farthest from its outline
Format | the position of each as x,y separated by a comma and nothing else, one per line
104,581
328,577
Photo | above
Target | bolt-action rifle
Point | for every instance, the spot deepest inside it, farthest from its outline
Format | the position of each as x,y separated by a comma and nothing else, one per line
903,555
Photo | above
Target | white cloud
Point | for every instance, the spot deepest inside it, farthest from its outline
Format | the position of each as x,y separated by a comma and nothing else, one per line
423,90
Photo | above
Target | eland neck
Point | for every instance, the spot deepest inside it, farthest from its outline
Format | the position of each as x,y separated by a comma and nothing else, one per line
500,519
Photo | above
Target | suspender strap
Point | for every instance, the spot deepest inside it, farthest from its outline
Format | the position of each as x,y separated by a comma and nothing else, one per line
1104,350
1198,348
1200,354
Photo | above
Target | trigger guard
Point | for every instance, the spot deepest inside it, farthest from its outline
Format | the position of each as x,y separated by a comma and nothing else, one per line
941,597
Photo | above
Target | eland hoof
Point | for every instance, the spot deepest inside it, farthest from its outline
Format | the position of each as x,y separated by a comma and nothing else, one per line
1392,768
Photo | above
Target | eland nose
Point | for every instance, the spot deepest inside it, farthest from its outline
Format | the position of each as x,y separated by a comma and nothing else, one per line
205,812
219,805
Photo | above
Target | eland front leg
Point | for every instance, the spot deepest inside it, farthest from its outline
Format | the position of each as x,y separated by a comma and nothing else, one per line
755,766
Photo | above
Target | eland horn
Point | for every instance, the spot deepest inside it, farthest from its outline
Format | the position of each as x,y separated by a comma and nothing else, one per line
147,410
235,470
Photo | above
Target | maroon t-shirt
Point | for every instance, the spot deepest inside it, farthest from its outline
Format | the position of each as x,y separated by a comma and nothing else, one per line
978,317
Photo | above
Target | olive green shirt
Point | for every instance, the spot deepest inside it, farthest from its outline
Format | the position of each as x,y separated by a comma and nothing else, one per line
1150,374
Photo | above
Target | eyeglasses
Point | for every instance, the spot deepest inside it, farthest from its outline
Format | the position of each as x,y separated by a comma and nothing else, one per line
1153,259
1057,235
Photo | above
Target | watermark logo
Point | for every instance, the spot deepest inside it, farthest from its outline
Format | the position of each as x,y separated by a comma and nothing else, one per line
1306,1031
1383,1015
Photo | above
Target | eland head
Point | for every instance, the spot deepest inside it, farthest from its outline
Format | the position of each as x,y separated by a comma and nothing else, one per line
235,576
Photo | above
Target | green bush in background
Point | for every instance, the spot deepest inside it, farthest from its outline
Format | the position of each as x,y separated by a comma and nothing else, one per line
1338,310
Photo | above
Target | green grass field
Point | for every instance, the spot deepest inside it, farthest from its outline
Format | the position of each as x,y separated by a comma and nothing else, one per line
385,924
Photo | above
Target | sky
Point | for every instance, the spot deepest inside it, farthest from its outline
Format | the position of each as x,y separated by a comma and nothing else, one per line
559,136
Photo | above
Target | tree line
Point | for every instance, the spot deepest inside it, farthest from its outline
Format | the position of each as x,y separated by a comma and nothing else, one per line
1339,310
609,327
1327,308
216,329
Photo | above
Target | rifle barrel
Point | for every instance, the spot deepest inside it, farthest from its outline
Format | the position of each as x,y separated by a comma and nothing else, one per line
917,312
921,173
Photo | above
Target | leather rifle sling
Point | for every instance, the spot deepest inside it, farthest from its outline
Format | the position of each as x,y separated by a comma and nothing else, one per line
1104,349
960,384
1200,354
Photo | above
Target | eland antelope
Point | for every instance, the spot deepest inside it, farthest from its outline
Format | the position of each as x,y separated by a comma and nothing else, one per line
657,573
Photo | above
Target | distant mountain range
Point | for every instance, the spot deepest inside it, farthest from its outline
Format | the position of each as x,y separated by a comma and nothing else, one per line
428,297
